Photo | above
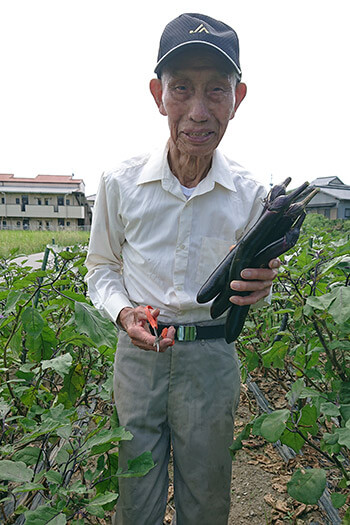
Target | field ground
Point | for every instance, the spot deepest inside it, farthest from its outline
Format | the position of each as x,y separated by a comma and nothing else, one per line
26,242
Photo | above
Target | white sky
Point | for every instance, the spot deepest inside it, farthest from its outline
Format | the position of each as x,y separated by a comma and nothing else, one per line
74,92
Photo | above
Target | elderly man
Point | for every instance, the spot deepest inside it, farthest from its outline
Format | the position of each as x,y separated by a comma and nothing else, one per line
162,222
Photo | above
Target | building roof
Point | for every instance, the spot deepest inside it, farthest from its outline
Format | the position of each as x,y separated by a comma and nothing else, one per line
327,181
39,179
342,195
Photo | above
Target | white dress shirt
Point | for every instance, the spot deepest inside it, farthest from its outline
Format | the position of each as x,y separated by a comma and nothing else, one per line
150,245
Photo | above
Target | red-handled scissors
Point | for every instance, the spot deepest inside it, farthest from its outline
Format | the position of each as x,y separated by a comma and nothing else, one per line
154,325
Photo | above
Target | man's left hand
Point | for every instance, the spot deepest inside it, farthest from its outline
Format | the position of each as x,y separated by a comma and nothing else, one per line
257,281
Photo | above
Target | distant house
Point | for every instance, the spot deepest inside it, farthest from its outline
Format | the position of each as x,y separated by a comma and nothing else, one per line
91,201
45,202
333,199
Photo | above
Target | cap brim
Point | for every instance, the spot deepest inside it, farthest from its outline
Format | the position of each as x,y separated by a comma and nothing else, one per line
177,49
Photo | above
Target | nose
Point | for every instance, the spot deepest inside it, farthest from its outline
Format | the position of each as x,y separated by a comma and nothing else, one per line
199,111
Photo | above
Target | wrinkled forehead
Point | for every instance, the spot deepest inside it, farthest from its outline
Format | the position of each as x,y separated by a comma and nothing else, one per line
195,58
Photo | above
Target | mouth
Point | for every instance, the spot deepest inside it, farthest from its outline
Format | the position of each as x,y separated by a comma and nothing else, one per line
198,136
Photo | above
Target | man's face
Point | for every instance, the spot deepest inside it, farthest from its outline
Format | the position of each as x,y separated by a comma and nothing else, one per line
199,98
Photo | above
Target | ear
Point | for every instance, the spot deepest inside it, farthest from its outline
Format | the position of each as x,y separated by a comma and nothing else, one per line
240,93
157,91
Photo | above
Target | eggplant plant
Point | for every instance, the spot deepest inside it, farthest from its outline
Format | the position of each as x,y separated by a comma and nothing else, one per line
59,432
302,343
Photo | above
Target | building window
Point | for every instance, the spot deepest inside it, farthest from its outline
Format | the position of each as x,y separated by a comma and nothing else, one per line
60,201
18,224
61,222
39,202
18,200
67,202
47,225
46,202
4,224
68,223
2,200
347,212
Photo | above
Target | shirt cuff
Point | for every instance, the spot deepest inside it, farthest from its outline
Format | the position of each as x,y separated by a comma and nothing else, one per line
114,305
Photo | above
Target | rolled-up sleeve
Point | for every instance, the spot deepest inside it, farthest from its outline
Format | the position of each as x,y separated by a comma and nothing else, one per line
104,263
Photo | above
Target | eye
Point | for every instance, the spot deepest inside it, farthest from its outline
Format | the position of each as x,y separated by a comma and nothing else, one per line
180,89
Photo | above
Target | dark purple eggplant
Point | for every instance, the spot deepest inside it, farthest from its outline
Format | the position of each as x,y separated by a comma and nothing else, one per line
235,319
221,303
218,278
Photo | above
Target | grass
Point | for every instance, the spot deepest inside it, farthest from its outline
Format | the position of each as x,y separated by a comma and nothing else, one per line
26,242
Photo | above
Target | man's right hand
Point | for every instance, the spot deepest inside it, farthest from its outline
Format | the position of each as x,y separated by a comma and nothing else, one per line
134,322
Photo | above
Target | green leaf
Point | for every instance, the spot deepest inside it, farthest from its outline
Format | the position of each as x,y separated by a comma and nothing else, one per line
276,354
345,411
274,424
32,321
139,466
90,322
54,477
103,499
110,480
295,391
292,440
256,429
343,436
46,427
108,436
15,471
28,487
44,515
338,499
337,302
329,409
12,299
67,256
60,364
73,383
307,487
340,308
29,455
41,347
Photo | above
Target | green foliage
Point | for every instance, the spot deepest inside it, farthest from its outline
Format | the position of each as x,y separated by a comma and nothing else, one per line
303,340
59,433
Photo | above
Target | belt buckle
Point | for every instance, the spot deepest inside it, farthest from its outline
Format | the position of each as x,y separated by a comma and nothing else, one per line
186,333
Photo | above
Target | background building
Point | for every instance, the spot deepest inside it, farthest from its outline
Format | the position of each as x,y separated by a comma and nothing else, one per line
45,202
333,199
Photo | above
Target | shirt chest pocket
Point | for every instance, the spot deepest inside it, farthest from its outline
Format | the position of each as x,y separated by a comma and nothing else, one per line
211,252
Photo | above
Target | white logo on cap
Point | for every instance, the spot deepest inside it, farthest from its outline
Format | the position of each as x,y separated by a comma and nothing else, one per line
199,29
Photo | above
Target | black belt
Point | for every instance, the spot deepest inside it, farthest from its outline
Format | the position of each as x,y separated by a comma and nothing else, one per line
191,332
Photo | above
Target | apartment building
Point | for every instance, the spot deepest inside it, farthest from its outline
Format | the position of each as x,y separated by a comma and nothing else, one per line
45,202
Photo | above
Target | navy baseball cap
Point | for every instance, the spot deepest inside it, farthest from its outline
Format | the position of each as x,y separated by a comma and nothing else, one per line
190,29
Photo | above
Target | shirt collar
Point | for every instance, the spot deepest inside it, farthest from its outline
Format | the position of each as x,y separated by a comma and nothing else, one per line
157,168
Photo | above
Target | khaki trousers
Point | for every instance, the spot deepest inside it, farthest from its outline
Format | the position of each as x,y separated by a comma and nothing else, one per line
186,397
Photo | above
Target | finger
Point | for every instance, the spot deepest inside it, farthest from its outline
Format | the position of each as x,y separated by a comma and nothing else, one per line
169,340
252,298
259,274
250,286
141,336
275,263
